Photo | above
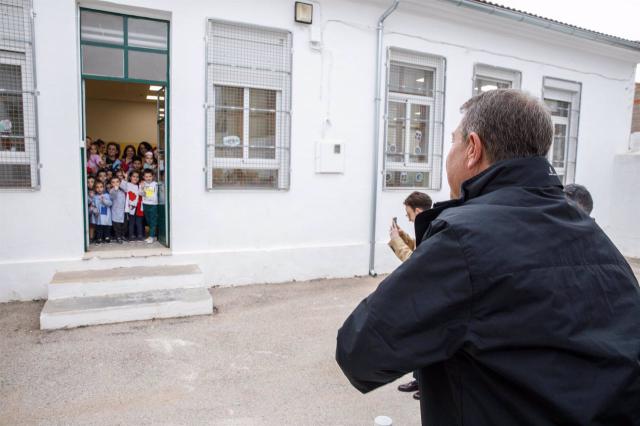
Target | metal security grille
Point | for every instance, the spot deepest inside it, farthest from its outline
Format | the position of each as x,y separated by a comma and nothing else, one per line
248,106
18,126
562,97
414,120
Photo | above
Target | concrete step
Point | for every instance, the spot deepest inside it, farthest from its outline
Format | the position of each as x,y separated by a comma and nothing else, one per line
135,279
80,311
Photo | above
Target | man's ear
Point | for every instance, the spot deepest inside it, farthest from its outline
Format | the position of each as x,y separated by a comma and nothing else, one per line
474,153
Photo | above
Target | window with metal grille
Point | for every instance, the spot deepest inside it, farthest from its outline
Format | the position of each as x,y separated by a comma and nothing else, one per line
488,77
248,106
414,120
563,100
18,126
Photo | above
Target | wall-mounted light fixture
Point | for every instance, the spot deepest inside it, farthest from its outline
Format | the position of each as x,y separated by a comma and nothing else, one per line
304,13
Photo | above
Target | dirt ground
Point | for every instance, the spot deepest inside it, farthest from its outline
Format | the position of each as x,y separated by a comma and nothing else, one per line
265,358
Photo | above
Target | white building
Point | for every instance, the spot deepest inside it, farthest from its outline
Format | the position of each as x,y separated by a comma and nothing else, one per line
265,126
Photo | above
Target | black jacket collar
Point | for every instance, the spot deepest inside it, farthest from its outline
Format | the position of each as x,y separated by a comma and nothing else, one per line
521,172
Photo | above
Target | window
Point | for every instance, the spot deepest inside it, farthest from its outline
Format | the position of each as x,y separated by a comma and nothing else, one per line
563,100
18,127
248,106
414,118
488,77
124,47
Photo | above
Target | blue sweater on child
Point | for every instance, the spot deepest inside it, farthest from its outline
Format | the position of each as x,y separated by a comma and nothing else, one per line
101,210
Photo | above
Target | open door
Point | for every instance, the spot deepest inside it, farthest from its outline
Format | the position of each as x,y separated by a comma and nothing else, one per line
163,181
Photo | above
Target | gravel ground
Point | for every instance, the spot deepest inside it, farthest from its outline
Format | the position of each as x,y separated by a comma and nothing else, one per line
265,358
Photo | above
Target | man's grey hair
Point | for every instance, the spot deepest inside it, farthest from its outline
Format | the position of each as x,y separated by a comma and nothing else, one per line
510,123
580,196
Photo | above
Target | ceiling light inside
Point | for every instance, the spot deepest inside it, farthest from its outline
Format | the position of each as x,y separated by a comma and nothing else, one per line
155,88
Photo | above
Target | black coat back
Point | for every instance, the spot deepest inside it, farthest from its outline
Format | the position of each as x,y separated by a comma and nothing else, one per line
515,308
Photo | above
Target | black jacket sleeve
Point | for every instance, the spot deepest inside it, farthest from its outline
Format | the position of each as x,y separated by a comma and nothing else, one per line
417,316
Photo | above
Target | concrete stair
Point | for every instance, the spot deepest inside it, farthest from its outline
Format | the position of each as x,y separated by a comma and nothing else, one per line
103,296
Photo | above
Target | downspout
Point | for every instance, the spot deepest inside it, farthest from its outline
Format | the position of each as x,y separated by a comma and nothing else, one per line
376,136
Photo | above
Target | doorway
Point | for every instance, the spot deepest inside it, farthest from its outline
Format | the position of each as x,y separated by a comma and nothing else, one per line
125,74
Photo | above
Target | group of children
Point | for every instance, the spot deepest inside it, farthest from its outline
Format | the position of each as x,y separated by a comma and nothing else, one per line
122,192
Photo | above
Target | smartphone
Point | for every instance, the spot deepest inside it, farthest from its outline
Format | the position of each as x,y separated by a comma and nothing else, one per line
395,221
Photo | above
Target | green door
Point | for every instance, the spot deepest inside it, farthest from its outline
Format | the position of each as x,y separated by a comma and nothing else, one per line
163,187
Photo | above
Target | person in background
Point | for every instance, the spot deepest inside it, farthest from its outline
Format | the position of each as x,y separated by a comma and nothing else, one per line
101,176
102,148
149,192
127,157
112,160
88,141
94,161
133,206
403,246
118,200
108,179
401,243
102,213
149,161
143,147
579,196
136,165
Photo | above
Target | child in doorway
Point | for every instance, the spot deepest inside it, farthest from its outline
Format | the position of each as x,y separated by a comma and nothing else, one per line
94,161
136,165
101,176
118,198
133,206
149,192
149,161
102,213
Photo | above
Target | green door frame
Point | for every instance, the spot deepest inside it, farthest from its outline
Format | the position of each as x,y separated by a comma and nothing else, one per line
125,48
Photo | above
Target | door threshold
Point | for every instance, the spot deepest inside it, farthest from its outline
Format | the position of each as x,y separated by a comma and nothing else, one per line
125,250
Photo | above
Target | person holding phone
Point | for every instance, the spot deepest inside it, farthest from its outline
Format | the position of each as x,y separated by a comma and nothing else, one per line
400,242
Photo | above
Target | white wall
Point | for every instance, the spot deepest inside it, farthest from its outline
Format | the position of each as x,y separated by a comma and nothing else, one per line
319,228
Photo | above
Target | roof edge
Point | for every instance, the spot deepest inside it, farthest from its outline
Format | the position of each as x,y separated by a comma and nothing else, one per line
546,23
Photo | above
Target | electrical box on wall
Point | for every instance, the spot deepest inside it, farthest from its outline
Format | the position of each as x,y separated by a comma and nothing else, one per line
329,156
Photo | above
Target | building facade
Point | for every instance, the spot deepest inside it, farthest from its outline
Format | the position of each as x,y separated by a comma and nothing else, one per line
265,126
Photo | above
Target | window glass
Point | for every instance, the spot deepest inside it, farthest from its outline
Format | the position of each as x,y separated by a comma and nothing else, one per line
262,124
407,179
558,108
484,84
256,178
101,27
410,80
229,121
147,65
11,108
418,133
102,61
559,145
146,33
396,131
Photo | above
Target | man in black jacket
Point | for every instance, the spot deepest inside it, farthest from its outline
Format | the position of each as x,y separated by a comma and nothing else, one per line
515,307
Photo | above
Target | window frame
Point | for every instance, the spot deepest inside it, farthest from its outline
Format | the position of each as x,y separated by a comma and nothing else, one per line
432,167
497,74
125,47
406,165
555,89
21,52
246,162
282,132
